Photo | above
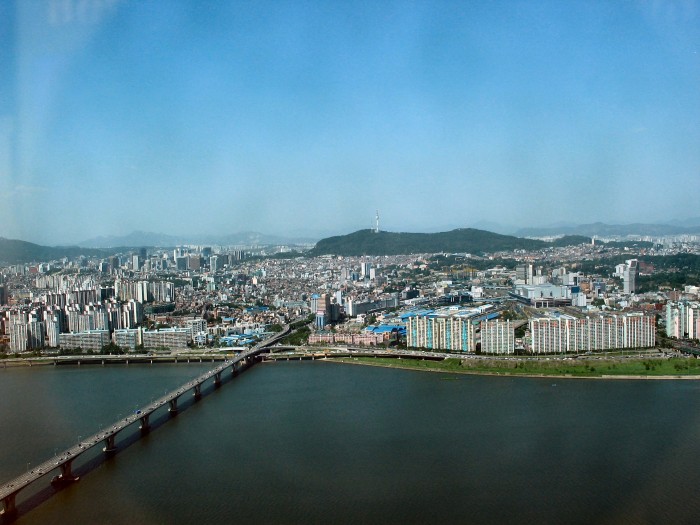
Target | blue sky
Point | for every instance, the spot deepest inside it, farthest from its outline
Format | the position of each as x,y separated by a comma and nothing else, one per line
306,117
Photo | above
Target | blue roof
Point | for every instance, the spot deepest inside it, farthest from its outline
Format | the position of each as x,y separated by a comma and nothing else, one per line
383,328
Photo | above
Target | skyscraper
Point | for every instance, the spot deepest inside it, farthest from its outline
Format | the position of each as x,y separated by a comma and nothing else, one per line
629,276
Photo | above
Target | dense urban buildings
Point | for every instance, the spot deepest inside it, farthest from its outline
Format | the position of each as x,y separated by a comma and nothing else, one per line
544,301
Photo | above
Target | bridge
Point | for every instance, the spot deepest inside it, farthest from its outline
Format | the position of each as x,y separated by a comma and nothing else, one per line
125,359
62,463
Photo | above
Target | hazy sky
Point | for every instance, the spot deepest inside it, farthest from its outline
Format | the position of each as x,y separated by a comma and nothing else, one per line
306,117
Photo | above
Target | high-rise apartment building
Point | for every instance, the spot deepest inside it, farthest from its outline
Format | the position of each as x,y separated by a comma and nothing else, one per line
18,337
567,334
683,320
497,337
436,332
35,335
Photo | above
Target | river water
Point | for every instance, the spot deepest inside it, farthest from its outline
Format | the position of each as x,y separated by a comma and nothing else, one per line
320,442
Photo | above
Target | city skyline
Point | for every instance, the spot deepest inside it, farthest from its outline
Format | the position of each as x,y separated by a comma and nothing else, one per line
290,118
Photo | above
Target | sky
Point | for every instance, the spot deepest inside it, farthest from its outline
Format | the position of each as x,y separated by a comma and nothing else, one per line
305,118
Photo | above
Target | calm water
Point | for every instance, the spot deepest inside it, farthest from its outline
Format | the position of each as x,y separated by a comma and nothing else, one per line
313,442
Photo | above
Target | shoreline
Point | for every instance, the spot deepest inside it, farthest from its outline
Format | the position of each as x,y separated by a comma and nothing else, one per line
688,377
20,363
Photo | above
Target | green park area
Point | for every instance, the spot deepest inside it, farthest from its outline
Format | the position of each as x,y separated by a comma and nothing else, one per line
652,367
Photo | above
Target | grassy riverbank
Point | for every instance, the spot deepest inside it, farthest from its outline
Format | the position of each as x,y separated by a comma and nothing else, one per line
657,367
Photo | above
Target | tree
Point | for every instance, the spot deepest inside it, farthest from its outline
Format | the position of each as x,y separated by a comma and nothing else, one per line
111,348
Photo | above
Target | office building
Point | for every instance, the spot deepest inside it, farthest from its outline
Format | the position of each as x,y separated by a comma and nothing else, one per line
629,276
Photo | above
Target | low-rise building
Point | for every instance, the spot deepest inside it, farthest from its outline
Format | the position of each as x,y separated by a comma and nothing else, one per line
167,338
89,340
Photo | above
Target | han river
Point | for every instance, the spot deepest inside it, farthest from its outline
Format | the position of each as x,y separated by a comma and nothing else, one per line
322,442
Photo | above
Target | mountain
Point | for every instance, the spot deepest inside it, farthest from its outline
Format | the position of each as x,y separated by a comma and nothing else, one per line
605,230
134,239
160,240
496,227
693,222
570,240
13,251
470,240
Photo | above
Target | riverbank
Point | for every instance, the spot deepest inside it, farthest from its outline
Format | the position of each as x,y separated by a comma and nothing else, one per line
674,368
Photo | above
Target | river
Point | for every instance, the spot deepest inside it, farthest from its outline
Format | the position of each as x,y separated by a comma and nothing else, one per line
321,442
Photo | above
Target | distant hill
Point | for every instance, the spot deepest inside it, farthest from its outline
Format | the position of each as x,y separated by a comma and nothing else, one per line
570,240
160,240
367,242
603,230
13,251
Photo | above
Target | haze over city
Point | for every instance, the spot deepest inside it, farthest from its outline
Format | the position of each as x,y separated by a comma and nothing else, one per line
304,118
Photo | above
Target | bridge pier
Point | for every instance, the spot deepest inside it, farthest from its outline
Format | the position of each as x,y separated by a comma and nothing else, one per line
217,379
198,392
8,503
67,470
172,406
109,447
144,426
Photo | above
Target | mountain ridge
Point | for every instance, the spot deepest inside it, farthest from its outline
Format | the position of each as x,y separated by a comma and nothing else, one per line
603,229
460,240
15,251
139,238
